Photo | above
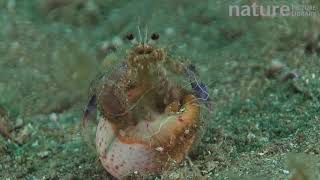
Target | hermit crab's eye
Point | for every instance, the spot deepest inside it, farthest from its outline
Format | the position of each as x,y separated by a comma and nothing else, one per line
155,36
130,36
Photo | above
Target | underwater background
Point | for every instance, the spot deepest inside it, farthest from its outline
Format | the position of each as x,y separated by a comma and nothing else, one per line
262,73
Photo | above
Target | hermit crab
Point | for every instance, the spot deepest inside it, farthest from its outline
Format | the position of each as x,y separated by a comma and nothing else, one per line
151,111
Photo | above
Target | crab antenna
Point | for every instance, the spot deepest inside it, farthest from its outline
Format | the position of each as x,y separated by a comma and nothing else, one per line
146,35
140,37
139,32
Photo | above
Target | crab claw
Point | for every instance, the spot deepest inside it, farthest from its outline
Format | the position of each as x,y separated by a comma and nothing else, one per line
90,112
200,90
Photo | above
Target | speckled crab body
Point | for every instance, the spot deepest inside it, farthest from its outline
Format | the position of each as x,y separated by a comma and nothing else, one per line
149,120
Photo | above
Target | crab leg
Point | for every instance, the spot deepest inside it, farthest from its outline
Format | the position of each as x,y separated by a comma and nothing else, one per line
4,132
90,111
